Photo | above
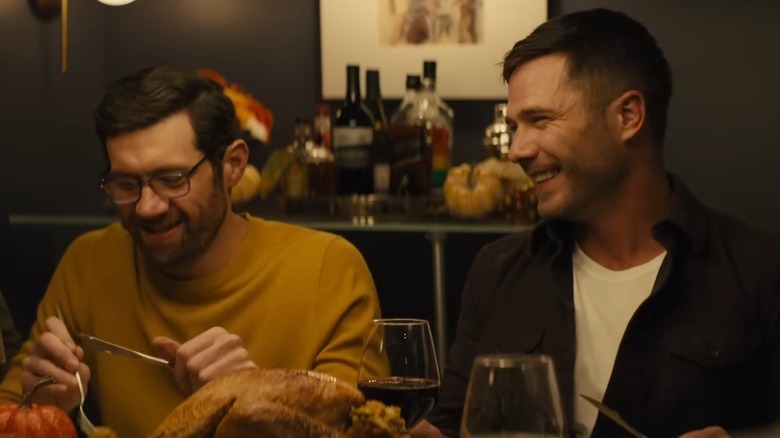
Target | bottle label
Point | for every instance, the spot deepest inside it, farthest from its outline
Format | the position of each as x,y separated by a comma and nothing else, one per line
441,155
294,182
352,146
410,172
381,177
406,144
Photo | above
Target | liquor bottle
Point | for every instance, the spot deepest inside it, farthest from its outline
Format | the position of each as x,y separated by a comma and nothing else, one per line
353,135
320,160
410,151
322,124
429,82
498,136
443,117
294,182
380,150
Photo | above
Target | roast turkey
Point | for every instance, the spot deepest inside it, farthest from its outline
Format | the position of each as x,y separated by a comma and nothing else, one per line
268,403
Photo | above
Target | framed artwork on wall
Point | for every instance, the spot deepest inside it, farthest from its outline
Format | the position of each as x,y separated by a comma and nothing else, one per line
467,38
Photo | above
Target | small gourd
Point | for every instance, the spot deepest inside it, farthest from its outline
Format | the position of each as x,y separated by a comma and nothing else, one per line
248,186
471,193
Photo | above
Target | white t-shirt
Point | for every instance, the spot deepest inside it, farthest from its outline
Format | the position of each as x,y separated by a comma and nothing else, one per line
604,302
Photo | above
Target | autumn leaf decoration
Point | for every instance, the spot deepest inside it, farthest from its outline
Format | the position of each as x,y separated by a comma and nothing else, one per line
252,115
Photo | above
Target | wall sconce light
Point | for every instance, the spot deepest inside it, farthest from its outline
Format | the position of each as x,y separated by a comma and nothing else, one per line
116,2
48,9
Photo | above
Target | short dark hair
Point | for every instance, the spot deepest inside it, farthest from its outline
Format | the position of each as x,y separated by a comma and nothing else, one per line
148,96
608,53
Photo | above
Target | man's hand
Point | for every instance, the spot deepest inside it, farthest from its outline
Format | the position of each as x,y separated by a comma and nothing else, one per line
55,354
424,429
203,358
708,432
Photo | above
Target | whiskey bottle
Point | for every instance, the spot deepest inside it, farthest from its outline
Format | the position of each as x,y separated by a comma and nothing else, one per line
380,153
353,135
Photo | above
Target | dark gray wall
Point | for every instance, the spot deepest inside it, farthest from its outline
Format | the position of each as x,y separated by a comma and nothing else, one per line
721,138
49,160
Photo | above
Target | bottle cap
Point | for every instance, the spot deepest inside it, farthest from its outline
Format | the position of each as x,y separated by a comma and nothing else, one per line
413,82
429,69
322,109
372,81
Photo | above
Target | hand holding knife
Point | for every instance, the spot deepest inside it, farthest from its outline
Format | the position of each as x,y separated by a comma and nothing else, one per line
614,416
103,346
107,347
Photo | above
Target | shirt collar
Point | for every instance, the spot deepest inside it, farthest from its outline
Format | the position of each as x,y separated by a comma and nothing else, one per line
556,233
685,224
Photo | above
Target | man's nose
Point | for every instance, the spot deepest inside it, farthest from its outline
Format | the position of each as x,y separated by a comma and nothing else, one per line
523,147
150,204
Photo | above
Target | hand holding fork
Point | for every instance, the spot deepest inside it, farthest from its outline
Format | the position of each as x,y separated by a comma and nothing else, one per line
56,354
85,425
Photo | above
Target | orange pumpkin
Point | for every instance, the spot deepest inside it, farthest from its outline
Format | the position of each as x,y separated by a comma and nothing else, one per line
31,420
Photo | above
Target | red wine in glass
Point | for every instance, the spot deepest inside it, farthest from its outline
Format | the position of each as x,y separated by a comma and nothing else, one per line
414,396
398,367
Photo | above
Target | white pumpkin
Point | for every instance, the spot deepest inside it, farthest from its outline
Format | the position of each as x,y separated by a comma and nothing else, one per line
471,193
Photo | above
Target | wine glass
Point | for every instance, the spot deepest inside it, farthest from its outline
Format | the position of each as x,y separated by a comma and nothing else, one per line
398,367
512,396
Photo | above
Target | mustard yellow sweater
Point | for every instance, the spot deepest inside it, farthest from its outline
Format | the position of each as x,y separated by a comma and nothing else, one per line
298,298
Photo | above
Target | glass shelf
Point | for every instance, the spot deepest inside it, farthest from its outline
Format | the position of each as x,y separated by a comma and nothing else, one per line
370,213
357,223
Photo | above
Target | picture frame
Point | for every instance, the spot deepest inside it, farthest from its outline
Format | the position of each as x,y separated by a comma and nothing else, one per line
351,33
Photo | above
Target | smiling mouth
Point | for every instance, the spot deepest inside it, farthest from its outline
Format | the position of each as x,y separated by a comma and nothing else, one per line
158,229
540,177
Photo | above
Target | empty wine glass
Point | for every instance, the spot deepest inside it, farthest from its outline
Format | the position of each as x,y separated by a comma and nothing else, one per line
512,396
398,367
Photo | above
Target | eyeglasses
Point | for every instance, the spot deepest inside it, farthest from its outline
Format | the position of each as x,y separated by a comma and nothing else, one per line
126,189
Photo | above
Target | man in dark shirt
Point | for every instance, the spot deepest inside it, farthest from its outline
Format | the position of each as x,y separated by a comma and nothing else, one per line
11,340
646,299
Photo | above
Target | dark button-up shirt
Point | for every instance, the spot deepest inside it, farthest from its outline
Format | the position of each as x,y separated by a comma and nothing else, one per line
703,349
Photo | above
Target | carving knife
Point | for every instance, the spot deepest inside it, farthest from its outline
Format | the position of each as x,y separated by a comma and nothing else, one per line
614,416
111,348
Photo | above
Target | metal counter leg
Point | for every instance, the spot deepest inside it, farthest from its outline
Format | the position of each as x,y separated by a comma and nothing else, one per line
439,297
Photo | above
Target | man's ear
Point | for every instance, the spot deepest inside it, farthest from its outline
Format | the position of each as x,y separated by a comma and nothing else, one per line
234,162
630,110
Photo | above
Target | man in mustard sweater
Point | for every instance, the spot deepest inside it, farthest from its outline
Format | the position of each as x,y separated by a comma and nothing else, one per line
183,277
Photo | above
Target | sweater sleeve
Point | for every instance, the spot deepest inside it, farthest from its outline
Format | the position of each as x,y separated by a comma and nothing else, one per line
347,302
